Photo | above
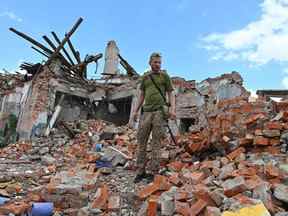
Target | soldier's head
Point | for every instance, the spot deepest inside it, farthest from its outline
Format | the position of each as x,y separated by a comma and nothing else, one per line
155,61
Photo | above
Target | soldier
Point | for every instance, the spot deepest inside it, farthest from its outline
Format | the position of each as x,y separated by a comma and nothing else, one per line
154,115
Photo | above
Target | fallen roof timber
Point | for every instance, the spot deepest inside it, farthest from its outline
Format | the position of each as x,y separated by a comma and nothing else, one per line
64,50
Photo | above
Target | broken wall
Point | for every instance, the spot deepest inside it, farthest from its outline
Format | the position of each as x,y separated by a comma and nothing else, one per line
34,113
195,101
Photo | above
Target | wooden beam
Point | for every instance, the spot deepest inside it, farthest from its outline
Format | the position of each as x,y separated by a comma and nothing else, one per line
39,51
67,36
31,40
54,48
76,56
64,50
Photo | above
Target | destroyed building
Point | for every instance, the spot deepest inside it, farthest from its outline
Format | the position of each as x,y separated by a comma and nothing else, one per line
60,91
68,143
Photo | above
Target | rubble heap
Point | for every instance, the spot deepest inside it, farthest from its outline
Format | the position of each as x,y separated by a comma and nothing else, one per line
68,145
87,167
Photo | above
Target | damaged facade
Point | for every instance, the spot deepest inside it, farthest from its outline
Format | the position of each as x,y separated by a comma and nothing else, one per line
34,99
111,98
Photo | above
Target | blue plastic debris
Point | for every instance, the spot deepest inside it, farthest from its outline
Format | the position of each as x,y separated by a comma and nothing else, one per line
42,209
98,147
103,163
3,200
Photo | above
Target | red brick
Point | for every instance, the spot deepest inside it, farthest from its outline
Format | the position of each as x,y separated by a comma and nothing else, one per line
181,196
101,200
176,166
212,211
51,188
246,108
253,182
216,171
194,177
245,141
258,132
197,207
152,206
174,179
244,199
202,193
234,186
147,191
225,139
254,118
224,161
71,212
271,171
91,158
245,172
260,140
274,150
235,153
182,208
274,125
210,164
162,182
17,208
282,106
274,142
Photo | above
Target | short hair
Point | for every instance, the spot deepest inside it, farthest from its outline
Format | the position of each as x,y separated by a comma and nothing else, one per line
155,55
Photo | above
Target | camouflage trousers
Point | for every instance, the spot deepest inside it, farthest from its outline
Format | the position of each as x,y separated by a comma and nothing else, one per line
150,122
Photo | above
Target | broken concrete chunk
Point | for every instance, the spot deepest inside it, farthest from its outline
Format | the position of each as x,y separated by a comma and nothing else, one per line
119,160
281,192
218,196
226,171
44,150
212,211
48,160
234,186
282,214
114,203
271,133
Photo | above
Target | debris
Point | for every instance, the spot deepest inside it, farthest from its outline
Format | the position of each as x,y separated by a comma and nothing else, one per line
42,209
257,210
230,156
281,192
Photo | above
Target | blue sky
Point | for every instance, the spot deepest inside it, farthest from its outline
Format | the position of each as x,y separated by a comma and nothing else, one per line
198,39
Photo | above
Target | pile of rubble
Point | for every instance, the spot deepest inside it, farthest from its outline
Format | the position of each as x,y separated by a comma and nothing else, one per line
236,165
64,170
230,158
239,162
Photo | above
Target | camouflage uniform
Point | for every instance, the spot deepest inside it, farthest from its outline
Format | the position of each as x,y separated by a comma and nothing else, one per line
152,120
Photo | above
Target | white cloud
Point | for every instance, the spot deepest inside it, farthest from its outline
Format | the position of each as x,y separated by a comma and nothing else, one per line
11,15
258,42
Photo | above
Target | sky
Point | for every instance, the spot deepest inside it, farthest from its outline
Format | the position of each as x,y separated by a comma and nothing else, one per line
197,39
